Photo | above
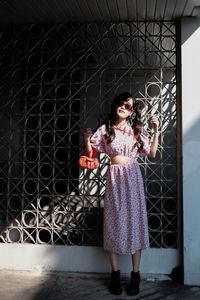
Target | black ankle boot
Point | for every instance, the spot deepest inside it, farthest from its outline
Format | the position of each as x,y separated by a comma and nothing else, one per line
115,284
133,287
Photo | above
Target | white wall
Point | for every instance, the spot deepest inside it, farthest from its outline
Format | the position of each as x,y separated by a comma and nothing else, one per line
39,258
191,148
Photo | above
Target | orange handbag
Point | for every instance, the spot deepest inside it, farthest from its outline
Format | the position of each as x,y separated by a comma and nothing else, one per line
87,162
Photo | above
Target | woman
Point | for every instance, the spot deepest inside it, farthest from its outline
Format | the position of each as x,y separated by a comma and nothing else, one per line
123,138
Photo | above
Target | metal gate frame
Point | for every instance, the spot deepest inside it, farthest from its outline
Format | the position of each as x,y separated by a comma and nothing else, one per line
57,79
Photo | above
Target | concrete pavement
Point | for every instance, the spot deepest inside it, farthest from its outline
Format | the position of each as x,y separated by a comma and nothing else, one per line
21,285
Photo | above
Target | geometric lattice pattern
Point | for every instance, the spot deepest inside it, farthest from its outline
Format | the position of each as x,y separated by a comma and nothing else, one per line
56,80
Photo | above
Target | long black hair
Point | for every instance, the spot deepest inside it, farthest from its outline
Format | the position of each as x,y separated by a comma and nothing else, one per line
135,119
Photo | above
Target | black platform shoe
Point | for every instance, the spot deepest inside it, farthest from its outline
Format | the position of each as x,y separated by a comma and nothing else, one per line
133,287
115,283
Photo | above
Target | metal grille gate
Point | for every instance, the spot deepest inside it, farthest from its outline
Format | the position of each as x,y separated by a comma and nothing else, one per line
56,80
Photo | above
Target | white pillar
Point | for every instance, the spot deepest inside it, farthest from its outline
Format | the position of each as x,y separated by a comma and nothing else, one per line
190,44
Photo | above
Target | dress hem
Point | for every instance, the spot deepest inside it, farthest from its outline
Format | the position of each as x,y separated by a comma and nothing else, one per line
129,253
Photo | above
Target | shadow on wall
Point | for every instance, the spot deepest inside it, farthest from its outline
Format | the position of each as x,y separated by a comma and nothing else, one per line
192,152
190,28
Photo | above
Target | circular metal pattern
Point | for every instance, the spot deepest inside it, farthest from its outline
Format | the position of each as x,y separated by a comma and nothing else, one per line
92,91
61,155
119,59
7,38
153,188
32,123
153,27
30,186
14,235
75,76
168,43
15,203
60,187
52,90
46,170
153,90
62,92
48,76
75,238
19,46
47,138
74,104
169,172
123,29
47,107
33,91
49,45
29,219
90,58
170,206
154,222
44,236
45,203
34,60
107,46
62,123
59,61
107,76
91,220
60,219
16,76
169,240
153,59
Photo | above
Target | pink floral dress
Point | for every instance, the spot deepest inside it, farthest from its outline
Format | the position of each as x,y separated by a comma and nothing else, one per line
125,216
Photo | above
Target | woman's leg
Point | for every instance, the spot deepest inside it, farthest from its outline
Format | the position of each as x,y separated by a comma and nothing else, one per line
113,258
134,286
115,283
136,258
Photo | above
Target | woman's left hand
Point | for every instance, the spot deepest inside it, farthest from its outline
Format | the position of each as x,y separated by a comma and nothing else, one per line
154,123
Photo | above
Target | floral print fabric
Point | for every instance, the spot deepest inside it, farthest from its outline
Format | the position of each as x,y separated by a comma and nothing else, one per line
125,216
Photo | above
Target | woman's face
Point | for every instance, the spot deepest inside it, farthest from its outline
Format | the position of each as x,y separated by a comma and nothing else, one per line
125,109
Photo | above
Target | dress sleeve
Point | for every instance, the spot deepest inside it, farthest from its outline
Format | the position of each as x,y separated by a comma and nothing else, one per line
98,141
147,143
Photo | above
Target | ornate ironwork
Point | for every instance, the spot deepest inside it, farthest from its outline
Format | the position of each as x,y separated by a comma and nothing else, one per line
56,80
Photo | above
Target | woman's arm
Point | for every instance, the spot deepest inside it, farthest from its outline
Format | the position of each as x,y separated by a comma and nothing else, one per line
87,135
154,143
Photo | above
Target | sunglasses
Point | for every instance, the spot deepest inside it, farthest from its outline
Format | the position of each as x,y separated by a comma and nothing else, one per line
127,106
